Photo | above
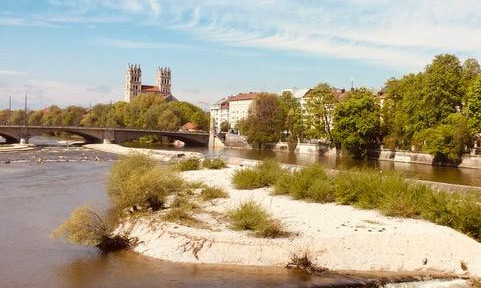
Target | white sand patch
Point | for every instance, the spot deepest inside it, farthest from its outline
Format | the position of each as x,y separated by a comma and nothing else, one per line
161,155
338,237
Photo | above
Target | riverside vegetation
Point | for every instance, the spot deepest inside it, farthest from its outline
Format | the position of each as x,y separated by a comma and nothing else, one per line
388,193
137,185
196,164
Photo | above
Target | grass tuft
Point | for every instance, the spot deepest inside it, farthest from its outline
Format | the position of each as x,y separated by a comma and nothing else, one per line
304,263
212,192
263,174
251,216
188,164
309,183
215,163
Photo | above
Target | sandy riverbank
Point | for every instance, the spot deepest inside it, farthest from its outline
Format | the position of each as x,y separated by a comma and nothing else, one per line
337,237
161,155
341,238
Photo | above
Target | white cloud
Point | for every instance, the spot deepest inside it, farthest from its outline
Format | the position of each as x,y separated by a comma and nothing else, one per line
129,44
12,72
391,33
42,92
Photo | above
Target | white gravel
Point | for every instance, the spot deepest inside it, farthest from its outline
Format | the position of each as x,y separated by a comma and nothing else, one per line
337,237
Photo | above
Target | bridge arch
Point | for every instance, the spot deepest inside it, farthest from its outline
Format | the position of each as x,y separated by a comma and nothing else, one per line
99,135
9,138
124,136
88,137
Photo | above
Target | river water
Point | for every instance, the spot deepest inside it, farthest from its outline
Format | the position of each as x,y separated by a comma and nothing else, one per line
36,197
453,175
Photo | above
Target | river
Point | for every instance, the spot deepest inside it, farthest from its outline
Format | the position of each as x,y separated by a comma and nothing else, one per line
36,197
445,174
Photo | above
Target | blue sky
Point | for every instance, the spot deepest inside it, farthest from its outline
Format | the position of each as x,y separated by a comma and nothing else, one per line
68,52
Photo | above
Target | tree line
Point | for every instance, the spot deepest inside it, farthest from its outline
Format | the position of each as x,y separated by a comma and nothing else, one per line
437,111
145,111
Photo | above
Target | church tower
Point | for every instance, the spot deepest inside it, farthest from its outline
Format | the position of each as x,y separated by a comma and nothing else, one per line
133,82
162,80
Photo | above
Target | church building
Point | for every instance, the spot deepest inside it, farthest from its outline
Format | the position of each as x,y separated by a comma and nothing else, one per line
134,87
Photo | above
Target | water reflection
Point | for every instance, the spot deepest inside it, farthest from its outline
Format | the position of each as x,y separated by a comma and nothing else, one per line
445,174
35,198
127,269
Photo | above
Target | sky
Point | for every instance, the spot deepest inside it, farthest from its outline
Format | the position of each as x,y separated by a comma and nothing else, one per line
75,52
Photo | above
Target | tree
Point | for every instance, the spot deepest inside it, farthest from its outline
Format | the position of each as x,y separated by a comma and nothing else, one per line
201,119
357,124
320,104
447,140
442,90
224,126
52,116
72,115
261,127
474,106
290,116
469,71
168,121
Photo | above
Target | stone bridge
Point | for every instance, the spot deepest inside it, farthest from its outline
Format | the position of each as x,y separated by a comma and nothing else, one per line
14,134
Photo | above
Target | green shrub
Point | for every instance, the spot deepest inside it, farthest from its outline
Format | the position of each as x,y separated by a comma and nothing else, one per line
188,164
88,228
215,163
363,188
263,174
250,215
273,228
137,182
124,168
247,178
394,196
211,192
310,183
321,191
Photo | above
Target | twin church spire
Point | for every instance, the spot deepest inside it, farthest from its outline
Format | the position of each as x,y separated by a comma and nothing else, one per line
134,87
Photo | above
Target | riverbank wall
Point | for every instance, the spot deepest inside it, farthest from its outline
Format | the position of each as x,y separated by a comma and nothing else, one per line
468,161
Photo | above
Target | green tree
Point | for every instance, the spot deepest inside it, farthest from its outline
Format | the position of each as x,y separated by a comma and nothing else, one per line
97,116
357,124
72,115
36,118
320,104
474,106
201,119
443,92
169,121
261,127
290,116
447,140
52,116
470,70
224,126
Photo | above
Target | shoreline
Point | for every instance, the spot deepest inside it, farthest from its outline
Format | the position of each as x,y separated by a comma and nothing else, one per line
341,238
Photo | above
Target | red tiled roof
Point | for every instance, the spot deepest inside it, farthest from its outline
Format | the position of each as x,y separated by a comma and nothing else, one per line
224,105
149,88
242,96
189,126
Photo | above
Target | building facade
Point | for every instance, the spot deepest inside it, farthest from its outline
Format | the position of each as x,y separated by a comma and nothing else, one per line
231,109
134,87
